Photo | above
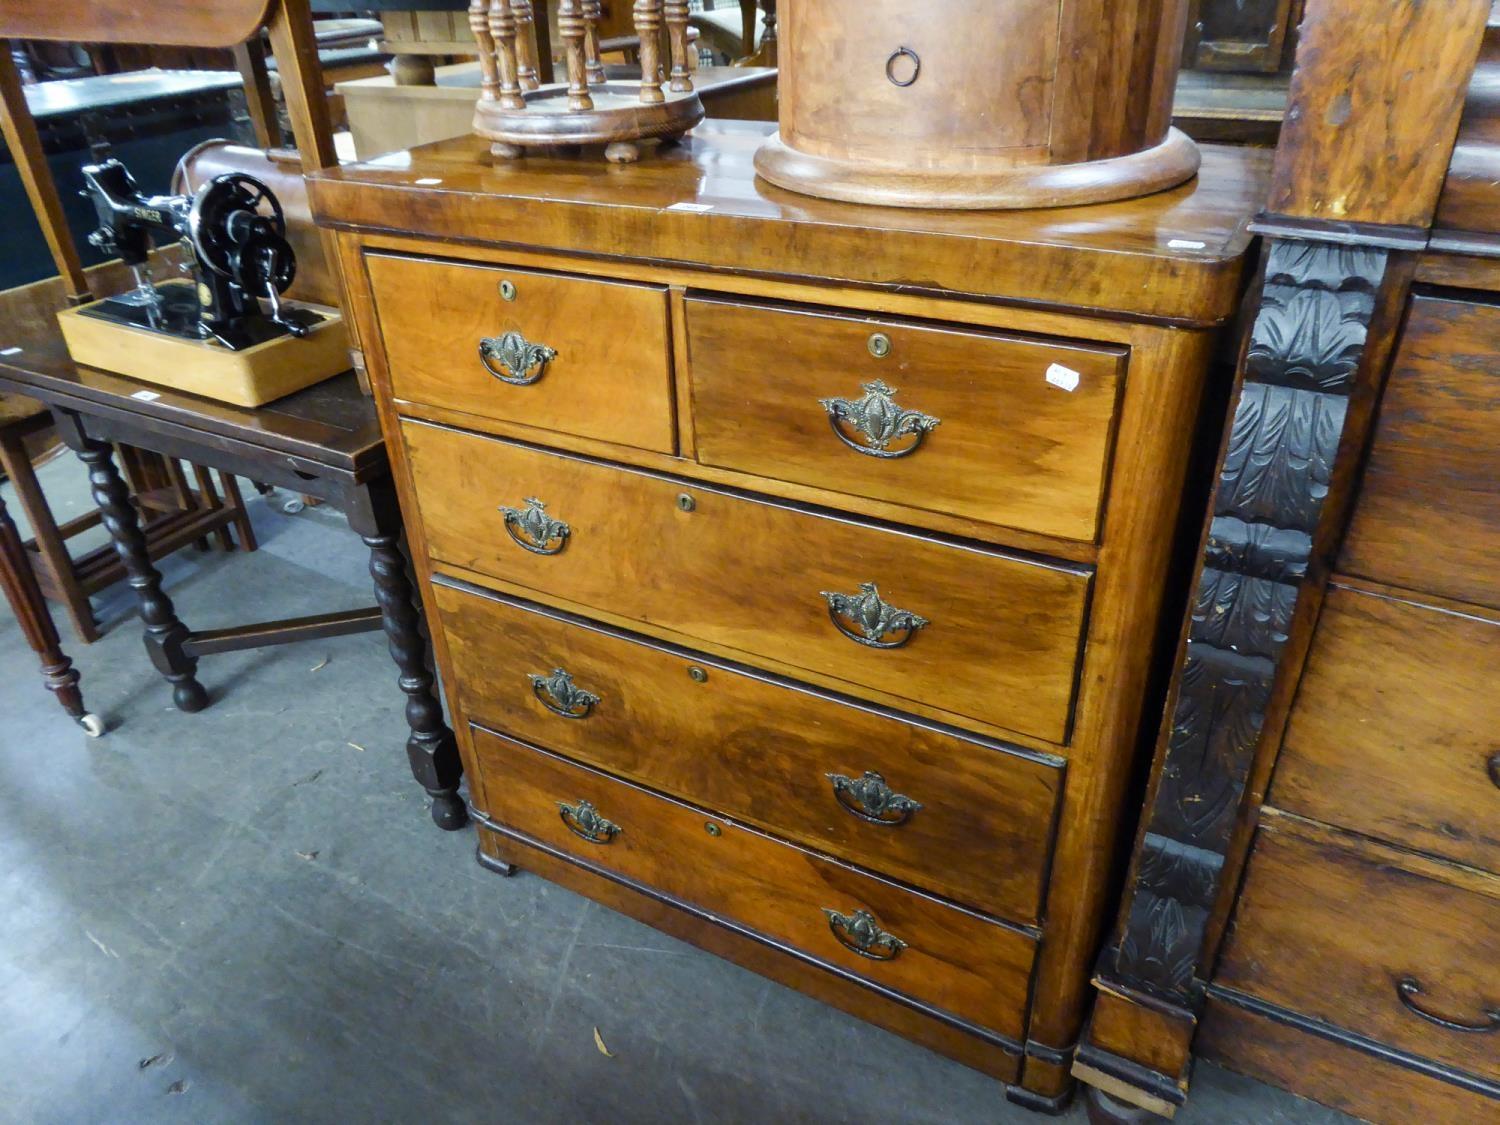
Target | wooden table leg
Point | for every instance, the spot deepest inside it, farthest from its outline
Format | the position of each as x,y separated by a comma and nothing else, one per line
164,632
25,597
431,749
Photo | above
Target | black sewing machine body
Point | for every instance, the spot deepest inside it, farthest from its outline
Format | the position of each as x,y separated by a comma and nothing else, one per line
236,233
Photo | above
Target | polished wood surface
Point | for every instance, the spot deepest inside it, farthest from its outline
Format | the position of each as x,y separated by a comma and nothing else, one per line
608,380
1362,918
749,574
1157,267
1393,733
703,730
1434,467
1011,447
958,962
183,23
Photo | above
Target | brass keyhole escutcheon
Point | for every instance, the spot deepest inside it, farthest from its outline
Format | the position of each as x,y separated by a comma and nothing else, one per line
507,290
713,829
686,502
903,67
879,345
697,675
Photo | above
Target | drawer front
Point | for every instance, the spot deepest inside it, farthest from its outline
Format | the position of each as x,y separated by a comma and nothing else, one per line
958,421
1396,729
1428,517
608,375
1396,948
1001,637
953,816
956,961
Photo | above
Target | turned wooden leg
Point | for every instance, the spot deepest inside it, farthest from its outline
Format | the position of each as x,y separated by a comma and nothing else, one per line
431,748
25,597
164,632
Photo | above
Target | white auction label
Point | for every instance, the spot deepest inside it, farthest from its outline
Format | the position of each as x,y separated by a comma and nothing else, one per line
698,207
1186,244
11,351
1064,377
146,396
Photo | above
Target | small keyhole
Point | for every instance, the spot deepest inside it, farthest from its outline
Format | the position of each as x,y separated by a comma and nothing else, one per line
879,345
697,675
713,829
507,290
686,502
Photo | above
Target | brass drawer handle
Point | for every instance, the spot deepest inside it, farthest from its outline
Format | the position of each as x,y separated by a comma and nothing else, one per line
584,820
860,933
870,798
531,527
1408,988
873,617
517,358
878,421
560,695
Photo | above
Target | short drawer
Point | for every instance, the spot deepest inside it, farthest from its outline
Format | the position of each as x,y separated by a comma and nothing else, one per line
961,818
896,939
964,629
1396,728
1005,429
1397,948
1428,516
573,355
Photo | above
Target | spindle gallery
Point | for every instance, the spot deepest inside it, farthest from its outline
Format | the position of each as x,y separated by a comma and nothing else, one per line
516,113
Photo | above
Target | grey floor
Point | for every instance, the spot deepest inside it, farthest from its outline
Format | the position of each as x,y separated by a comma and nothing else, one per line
246,916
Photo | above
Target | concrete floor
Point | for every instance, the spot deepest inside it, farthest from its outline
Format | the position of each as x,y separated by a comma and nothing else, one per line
246,916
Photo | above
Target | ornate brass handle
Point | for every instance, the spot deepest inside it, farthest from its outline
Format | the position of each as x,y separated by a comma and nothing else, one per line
872,617
860,933
1409,988
584,820
531,527
560,695
878,421
517,358
870,798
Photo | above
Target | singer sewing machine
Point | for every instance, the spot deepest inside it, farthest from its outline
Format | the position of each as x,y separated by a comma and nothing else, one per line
224,330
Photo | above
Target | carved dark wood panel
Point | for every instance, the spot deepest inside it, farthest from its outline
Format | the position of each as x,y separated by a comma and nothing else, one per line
1305,349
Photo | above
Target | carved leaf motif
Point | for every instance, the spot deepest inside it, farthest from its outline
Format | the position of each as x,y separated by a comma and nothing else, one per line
1309,337
1242,613
1282,445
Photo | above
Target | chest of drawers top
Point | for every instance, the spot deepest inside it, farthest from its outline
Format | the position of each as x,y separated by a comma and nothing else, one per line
1173,257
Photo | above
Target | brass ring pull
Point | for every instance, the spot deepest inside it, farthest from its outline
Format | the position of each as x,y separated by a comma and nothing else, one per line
532,528
890,66
1408,988
584,820
517,358
860,933
873,617
878,421
560,695
870,798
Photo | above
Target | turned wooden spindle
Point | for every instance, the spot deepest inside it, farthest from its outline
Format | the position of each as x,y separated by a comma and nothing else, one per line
593,12
648,27
527,73
503,31
676,14
479,24
572,27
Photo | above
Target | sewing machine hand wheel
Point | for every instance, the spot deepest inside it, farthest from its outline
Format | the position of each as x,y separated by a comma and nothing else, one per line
226,212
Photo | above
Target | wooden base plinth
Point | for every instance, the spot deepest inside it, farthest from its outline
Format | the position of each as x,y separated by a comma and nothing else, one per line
619,120
858,180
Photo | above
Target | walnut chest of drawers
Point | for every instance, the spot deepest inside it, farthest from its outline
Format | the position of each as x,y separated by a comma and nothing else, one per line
796,568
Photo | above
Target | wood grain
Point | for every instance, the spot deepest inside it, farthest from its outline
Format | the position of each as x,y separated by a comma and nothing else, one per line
1434,467
610,379
748,574
760,750
954,960
1012,448
1395,727
181,23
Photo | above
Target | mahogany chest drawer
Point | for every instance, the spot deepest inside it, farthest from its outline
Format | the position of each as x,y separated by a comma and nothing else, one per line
958,627
572,355
955,816
1006,429
1428,517
1396,728
896,939
1397,948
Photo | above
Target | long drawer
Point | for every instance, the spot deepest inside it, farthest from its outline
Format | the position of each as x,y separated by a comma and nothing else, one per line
1007,429
572,355
957,817
965,629
1396,948
899,940
1394,732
